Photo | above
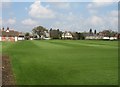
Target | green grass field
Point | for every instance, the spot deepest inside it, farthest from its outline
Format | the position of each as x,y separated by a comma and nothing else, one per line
64,62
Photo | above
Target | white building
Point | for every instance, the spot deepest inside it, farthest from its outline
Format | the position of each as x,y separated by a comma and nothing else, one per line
21,37
67,35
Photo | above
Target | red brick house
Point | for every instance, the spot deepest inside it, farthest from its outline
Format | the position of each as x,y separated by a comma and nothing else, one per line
8,35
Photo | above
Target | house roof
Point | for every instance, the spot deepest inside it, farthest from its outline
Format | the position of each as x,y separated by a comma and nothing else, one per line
10,33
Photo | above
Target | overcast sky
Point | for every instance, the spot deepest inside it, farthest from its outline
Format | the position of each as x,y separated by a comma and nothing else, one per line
63,14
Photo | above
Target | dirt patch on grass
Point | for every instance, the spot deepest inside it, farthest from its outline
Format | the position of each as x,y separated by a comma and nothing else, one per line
7,74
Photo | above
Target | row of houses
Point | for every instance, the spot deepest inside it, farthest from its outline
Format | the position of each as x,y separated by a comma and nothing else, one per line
104,35
100,38
12,35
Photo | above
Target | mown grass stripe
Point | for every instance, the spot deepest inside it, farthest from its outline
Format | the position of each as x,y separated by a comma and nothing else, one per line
59,62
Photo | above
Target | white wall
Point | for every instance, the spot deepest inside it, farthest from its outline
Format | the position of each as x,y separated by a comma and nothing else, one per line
113,38
106,38
0,38
21,38
31,38
67,35
16,39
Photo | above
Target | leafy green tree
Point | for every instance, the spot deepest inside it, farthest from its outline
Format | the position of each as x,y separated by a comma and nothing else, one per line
95,32
109,33
27,36
40,31
90,31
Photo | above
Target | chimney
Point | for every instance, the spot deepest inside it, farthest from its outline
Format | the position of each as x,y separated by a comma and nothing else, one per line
3,29
7,29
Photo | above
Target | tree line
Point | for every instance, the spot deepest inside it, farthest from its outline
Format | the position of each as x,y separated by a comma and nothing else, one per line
39,32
